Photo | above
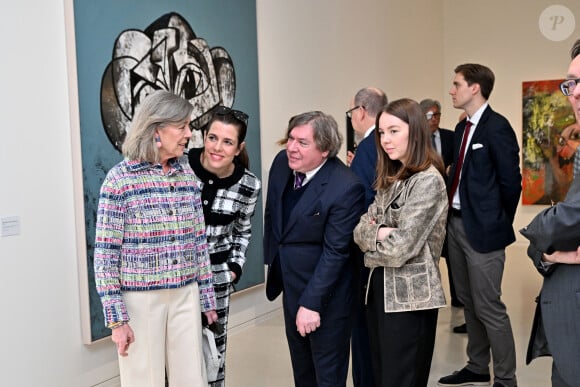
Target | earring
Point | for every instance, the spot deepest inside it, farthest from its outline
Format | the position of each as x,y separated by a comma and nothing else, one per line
157,139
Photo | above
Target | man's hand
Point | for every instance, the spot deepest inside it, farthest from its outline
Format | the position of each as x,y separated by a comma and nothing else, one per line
307,321
349,158
567,257
123,337
383,233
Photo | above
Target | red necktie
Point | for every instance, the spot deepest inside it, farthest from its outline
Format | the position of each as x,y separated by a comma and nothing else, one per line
459,162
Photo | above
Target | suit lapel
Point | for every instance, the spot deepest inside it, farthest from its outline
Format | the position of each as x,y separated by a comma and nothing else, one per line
392,194
310,198
477,135
277,215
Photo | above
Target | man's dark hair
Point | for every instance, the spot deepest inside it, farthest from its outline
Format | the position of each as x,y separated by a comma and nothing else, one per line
480,74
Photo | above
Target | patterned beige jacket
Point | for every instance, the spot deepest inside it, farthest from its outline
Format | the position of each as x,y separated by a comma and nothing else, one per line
417,207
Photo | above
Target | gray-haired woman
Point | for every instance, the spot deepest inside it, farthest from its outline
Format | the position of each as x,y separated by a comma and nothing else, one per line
152,268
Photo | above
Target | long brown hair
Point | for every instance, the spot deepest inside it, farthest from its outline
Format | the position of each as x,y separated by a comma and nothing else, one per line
420,153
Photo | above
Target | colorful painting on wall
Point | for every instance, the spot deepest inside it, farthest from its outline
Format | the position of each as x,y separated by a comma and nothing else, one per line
204,51
549,138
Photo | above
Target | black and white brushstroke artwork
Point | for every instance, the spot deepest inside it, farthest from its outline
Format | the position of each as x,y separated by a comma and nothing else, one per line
166,55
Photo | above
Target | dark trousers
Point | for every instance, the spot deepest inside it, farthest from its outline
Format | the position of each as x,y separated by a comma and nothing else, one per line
454,300
445,254
401,343
362,370
321,358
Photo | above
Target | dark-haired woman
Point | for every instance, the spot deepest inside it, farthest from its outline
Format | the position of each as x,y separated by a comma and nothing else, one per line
229,196
402,235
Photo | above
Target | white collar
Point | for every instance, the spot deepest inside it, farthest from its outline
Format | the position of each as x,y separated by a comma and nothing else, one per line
369,131
310,174
477,115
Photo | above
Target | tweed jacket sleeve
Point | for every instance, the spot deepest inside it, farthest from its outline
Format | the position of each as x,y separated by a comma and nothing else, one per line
365,232
242,226
418,212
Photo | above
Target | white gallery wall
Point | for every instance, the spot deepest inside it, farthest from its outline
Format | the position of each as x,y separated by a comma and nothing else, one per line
312,55
315,55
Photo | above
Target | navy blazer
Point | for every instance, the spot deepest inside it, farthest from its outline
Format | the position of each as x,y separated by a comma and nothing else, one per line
491,182
364,166
313,248
447,146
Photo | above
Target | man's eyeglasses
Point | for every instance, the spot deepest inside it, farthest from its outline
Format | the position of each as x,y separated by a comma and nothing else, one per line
349,111
567,87
430,115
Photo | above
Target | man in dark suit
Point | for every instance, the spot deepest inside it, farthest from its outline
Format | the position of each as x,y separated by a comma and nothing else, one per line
364,107
313,204
554,236
484,192
443,141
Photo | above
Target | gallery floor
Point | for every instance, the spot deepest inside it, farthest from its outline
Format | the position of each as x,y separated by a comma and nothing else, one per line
258,354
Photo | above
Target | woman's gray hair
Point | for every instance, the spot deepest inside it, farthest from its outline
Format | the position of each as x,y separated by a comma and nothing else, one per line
326,135
157,110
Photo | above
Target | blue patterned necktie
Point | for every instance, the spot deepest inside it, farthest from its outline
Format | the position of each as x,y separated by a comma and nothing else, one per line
298,179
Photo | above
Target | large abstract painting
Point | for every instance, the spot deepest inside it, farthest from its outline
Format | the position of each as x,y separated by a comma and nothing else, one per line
204,51
549,137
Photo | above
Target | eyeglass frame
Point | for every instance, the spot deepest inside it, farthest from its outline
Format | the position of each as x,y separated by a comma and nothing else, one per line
569,90
348,113
430,115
